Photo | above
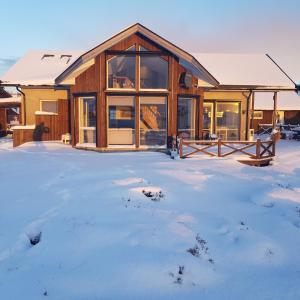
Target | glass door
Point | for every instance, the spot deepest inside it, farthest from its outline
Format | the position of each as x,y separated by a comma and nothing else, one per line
228,120
186,120
87,121
153,122
121,120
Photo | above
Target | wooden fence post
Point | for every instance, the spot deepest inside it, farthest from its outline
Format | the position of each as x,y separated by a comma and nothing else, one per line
219,148
180,148
258,145
273,145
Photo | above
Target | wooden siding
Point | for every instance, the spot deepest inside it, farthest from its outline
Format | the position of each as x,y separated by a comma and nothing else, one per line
292,117
48,127
21,136
3,119
93,80
267,119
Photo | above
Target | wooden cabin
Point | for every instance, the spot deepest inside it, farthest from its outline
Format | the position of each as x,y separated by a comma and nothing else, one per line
138,91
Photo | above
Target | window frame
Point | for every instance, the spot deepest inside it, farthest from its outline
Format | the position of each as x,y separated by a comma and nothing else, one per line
128,53
79,143
110,54
51,100
133,145
139,67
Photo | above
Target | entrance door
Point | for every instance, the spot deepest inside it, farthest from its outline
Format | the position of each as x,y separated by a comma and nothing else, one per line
87,121
121,120
228,117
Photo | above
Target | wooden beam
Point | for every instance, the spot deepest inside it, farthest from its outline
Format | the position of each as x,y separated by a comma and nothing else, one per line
252,109
274,110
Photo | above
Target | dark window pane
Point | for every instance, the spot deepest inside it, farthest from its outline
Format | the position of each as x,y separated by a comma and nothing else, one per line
186,118
154,72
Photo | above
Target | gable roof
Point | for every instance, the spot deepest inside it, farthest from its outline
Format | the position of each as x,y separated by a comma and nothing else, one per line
39,67
245,70
87,59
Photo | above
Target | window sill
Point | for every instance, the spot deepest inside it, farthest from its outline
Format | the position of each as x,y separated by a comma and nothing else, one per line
45,113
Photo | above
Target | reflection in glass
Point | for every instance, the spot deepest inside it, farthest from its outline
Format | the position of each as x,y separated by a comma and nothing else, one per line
186,118
153,121
121,72
153,71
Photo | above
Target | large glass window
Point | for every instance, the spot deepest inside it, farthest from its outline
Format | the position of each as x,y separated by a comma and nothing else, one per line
186,118
228,120
121,120
153,71
153,121
87,120
121,71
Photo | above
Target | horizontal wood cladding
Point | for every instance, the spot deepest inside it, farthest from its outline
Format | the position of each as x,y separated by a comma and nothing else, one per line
93,80
47,127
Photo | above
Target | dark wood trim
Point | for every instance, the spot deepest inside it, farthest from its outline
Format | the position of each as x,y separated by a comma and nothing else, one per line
136,53
84,94
137,122
136,93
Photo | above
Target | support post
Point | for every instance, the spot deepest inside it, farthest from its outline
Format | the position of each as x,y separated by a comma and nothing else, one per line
180,148
219,148
273,145
258,145
274,110
252,109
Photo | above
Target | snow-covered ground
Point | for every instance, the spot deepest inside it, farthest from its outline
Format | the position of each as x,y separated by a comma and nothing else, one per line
143,226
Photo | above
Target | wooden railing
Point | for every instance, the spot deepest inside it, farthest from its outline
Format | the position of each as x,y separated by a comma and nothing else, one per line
254,149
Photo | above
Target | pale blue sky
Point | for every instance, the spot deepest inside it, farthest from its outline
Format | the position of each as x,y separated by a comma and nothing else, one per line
195,25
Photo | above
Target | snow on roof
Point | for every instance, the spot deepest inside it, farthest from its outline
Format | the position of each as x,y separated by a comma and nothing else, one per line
244,69
11,100
285,101
39,67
